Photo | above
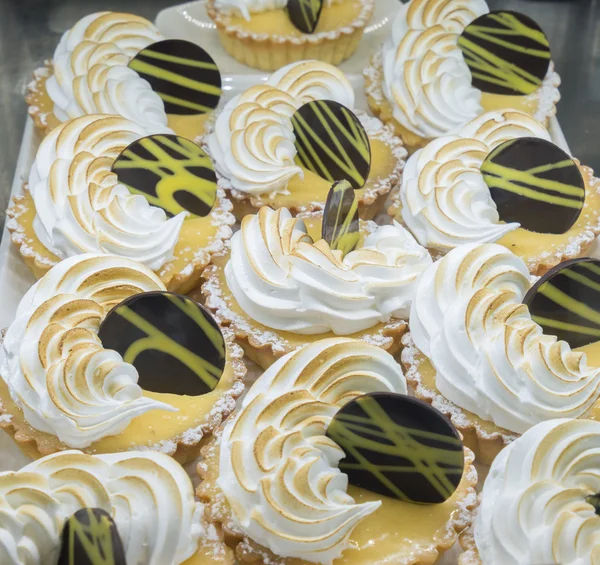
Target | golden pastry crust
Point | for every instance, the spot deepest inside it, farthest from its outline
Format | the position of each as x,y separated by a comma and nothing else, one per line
247,551
572,244
180,274
270,52
184,447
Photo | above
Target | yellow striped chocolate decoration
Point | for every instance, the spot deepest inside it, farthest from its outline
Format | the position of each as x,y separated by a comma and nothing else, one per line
399,447
566,301
304,14
90,537
332,142
171,172
507,53
182,73
340,218
174,342
535,183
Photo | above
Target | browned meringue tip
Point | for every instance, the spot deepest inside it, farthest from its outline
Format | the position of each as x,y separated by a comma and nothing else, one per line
219,512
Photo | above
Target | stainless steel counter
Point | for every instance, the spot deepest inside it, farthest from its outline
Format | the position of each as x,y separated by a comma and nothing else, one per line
30,30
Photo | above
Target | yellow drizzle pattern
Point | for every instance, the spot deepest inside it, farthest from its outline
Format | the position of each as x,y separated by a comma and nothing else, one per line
305,14
490,68
340,218
332,143
528,184
171,174
95,539
157,340
391,440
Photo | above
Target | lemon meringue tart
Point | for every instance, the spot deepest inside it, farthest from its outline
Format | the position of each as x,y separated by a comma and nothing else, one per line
116,63
170,377
286,282
102,184
497,355
500,179
540,501
135,508
324,463
283,143
269,35
447,62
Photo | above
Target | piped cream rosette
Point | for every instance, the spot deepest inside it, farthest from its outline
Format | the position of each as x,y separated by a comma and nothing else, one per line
420,82
149,495
477,355
445,201
280,287
540,501
252,143
74,203
61,388
89,74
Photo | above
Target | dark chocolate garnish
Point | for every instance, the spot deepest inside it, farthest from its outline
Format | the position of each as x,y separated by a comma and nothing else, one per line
535,183
507,53
174,342
90,537
340,218
171,172
183,74
566,301
332,142
304,14
594,500
399,447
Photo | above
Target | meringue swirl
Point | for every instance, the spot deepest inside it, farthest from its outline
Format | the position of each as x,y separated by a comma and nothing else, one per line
91,76
247,7
80,205
445,200
148,494
284,280
252,143
534,507
53,362
490,357
426,79
278,470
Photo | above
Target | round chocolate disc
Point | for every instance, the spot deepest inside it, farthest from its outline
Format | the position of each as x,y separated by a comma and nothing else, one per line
566,301
507,53
173,342
340,218
171,172
90,537
400,447
332,142
304,14
182,73
535,183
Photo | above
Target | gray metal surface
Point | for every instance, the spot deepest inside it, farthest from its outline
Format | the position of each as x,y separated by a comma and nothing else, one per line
30,30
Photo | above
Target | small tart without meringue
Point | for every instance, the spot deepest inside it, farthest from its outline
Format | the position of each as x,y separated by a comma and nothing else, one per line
252,145
445,202
89,75
265,37
419,82
552,470
286,276
476,353
74,203
396,532
60,388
